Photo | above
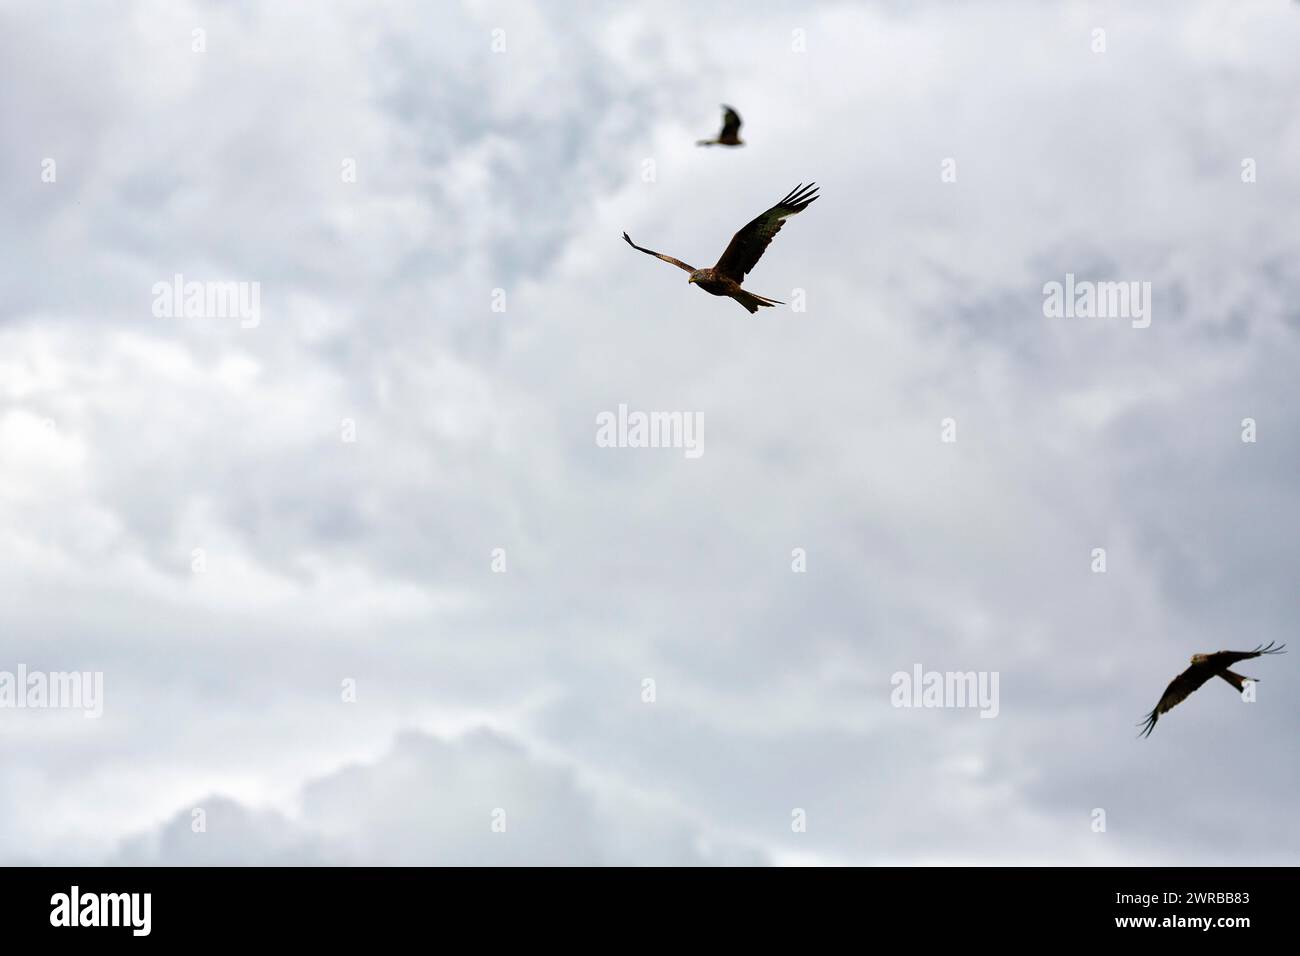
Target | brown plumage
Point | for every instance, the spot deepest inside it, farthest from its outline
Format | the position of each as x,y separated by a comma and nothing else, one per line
742,254
1204,667
730,135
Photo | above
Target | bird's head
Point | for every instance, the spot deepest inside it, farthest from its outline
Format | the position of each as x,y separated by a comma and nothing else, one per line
695,276
1200,658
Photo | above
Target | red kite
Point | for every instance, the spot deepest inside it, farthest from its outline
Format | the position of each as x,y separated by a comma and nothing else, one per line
730,135
1204,666
744,251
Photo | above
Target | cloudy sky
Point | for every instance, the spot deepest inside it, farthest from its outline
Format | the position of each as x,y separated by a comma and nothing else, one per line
305,637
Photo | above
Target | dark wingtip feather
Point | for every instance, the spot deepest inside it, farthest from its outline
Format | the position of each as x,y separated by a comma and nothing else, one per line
801,195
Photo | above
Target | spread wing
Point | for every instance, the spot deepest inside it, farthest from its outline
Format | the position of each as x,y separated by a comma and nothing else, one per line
1223,659
730,123
658,255
1179,688
748,245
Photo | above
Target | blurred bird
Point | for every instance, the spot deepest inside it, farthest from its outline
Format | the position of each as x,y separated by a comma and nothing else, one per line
730,135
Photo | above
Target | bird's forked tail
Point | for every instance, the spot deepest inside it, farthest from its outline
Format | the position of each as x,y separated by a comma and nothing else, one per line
754,302
1237,680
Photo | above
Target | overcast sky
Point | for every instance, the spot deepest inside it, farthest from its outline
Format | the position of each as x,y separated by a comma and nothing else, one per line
513,161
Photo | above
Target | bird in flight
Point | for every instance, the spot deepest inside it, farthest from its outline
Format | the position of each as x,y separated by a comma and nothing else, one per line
1204,667
730,135
744,251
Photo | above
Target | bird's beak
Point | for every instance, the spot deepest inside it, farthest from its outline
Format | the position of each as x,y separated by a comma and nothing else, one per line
690,279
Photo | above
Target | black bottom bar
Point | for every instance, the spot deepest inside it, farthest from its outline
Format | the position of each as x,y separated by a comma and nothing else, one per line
337,906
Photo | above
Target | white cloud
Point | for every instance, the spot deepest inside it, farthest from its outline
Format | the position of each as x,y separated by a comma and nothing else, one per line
481,799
